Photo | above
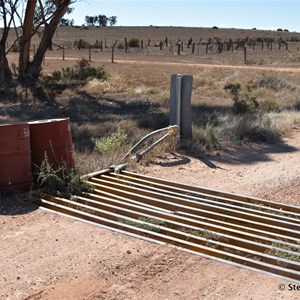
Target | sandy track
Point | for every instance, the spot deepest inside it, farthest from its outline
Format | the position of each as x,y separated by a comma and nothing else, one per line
184,64
208,66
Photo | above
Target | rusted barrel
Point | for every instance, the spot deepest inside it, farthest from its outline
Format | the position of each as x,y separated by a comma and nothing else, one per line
15,158
53,138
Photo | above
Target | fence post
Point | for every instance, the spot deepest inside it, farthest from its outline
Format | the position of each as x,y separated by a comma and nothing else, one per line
63,52
113,52
186,107
245,54
180,104
175,100
161,45
179,47
101,46
193,47
126,45
90,53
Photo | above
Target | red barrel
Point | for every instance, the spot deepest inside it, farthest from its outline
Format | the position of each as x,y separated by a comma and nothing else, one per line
15,158
54,138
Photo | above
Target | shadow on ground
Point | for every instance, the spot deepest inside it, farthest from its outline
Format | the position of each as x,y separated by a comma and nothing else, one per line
106,112
13,205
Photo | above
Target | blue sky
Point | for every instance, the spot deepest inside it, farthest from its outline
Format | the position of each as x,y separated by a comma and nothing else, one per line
229,14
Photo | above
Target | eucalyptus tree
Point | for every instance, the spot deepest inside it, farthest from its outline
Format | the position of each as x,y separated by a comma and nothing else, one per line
32,16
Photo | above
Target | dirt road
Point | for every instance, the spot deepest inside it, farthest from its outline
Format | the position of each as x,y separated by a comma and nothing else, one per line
47,256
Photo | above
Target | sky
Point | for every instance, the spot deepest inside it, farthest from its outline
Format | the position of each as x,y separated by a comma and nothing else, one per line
247,14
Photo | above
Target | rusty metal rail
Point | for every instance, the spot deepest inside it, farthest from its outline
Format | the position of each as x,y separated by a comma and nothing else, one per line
248,232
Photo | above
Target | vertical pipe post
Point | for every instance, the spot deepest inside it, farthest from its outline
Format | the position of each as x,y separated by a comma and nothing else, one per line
186,107
180,104
175,100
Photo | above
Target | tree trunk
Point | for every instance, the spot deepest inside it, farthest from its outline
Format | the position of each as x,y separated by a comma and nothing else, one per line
35,67
26,37
5,74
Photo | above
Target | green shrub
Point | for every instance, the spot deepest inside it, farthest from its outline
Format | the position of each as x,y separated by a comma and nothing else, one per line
121,45
82,44
272,82
269,106
115,141
81,71
57,75
134,43
60,179
243,103
259,91
210,133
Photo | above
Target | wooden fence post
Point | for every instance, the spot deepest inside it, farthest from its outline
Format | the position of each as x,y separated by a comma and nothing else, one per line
63,52
245,54
113,52
101,46
126,45
161,45
90,53
179,47
193,47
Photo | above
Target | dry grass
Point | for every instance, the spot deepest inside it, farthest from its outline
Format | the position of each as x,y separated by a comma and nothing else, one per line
135,98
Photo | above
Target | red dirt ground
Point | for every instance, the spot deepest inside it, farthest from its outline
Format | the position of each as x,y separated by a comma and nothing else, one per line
48,256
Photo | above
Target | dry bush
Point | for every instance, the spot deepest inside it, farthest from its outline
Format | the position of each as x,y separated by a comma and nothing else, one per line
89,162
283,121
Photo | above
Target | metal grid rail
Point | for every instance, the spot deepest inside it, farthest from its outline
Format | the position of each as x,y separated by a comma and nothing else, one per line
248,232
